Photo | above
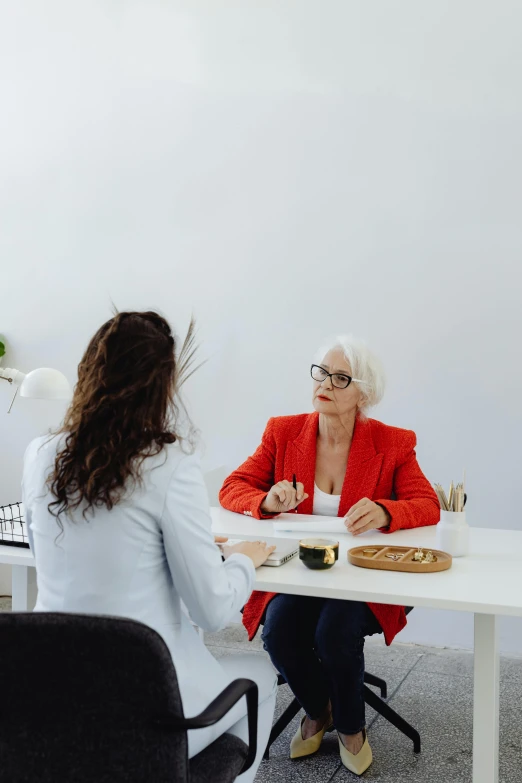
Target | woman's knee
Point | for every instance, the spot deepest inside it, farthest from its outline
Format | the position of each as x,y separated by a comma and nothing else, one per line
281,626
264,675
341,628
253,667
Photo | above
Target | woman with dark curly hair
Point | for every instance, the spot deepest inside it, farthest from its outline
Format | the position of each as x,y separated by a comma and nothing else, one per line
119,524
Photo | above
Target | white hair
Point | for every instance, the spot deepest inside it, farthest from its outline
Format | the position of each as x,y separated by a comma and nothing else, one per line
364,366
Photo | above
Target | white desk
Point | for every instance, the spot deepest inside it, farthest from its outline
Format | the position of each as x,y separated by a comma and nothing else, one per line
20,559
488,583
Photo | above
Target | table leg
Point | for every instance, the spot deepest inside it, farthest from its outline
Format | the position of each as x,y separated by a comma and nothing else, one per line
19,588
486,701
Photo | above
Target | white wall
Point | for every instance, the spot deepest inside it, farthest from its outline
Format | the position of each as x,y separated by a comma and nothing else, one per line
285,170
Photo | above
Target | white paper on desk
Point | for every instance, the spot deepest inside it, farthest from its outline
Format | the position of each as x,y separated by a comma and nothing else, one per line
308,523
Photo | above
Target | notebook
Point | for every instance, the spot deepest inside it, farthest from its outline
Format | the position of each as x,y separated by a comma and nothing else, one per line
308,523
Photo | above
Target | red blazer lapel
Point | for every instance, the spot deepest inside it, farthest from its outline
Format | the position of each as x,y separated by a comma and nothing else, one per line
300,459
363,469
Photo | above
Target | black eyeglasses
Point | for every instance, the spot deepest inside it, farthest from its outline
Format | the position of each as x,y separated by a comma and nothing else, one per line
339,380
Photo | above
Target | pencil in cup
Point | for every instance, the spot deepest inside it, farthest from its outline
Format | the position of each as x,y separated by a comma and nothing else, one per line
455,500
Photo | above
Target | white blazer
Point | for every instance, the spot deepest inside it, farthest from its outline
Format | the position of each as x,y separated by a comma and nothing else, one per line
153,550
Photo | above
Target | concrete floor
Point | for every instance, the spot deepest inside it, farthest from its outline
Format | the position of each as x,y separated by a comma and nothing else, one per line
432,689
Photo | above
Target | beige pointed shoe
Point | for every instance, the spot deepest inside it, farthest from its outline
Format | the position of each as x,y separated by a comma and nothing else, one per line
360,762
300,747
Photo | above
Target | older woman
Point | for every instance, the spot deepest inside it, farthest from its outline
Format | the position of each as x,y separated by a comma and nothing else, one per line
348,466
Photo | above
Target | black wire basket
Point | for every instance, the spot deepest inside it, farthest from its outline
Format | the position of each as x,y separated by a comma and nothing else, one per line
13,530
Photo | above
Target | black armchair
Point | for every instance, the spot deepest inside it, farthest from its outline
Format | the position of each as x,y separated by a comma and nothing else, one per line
96,700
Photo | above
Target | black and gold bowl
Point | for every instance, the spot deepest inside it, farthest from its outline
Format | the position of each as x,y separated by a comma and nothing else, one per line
318,553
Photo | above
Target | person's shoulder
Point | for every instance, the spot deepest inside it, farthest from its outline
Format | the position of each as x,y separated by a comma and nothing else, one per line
39,458
289,426
43,447
169,457
176,465
38,443
387,436
175,460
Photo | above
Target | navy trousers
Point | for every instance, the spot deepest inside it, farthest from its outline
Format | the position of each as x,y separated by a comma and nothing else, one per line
317,644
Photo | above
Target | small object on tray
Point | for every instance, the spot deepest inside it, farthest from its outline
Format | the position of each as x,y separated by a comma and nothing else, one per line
400,558
422,556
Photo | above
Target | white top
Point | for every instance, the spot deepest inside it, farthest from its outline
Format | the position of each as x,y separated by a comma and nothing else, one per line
324,504
153,550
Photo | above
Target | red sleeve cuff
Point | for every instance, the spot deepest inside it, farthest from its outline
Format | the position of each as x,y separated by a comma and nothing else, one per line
388,505
258,514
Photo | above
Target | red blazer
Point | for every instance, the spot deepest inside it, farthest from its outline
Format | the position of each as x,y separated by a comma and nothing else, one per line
382,466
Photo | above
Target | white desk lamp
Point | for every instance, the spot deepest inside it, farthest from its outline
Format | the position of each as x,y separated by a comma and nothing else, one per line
41,384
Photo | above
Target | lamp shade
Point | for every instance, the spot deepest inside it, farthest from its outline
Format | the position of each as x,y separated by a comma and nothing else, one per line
45,384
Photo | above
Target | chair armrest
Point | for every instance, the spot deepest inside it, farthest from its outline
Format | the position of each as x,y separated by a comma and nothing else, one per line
218,708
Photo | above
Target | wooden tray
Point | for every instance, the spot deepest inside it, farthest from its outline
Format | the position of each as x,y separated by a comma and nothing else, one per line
378,559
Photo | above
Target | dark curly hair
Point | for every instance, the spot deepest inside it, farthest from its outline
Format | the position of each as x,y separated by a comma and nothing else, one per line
123,410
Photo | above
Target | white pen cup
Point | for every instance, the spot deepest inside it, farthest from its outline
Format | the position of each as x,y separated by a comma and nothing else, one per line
453,533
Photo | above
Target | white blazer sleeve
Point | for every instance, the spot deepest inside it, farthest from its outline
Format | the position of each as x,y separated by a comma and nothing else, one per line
212,590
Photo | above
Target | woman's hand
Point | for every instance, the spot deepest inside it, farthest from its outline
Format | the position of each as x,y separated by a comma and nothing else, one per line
366,515
257,551
283,497
220,539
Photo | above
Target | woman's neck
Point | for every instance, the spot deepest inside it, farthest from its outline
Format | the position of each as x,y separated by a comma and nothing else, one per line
336,432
